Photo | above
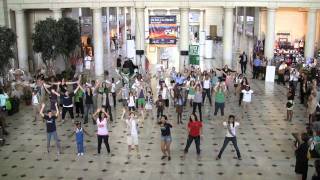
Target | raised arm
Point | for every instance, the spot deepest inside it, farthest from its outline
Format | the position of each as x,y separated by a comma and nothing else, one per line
55,92
41,110
57,110
78,87
95,114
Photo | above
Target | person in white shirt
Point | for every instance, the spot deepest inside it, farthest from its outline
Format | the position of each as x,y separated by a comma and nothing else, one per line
35,104
281,71
102,128
294,78
231,126
247,96
132,134
206,89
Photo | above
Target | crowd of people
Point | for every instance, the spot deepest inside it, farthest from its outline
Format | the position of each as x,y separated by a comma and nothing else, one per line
53,99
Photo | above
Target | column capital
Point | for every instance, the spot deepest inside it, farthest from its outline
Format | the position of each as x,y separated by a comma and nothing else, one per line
272,8
96,8
312,10
140,8
184,9
56,9
228,7
19,10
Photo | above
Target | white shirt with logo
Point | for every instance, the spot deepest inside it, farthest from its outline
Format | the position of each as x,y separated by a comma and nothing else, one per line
247,95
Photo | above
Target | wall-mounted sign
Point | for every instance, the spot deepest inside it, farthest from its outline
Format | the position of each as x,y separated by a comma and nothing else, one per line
162,29
194,54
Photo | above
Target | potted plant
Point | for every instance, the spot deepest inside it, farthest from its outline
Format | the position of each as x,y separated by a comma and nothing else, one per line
27,96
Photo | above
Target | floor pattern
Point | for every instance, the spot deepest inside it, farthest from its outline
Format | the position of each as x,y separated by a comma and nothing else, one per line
264,139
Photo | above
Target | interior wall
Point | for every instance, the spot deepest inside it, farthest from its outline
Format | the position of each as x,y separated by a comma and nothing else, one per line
284,22
318,32
213,16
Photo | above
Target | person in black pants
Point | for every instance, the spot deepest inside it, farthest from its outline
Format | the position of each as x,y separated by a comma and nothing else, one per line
197,101
231,126
107,106
302,156
67,103
160,106
243,62
102,128
303,87
195,132
206,89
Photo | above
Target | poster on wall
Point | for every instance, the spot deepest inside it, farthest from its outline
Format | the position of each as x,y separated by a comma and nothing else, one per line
194,54
162,29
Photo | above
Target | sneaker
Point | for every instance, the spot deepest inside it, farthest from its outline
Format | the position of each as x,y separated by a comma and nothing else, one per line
81,154
217,158
78,154
239,158
169,158
163,157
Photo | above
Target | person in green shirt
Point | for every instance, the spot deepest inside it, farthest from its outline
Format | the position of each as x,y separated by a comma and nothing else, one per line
219,99
78,99
191,92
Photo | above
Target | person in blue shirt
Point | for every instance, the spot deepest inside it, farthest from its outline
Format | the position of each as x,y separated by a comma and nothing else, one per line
79,131
256,67
179,79
50,120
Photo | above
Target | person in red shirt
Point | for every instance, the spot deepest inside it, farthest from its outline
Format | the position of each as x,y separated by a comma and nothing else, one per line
195,131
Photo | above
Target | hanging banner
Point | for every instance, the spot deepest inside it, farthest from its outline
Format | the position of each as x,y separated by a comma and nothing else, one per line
194,54
162,29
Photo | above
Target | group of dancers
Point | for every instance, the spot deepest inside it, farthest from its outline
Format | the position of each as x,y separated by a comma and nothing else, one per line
97,100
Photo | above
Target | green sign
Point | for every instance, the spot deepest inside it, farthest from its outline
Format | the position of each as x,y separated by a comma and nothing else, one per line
194,54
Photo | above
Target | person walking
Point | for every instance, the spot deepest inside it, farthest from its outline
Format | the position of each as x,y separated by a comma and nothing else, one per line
166,138
194,133
256,67
301,152
243,62
231,126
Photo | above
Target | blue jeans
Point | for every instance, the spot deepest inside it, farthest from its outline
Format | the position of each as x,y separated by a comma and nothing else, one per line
218,106
80,147
55,137
225,143
89,107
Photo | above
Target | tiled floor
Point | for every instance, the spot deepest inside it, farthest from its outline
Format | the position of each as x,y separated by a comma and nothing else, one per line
264,140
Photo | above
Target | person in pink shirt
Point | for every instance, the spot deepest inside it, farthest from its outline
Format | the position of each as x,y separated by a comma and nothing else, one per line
102,128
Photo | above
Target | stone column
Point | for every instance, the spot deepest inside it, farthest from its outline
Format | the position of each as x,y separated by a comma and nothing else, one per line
98,43
108,41
57,13
270,34
124,34
132,21
257,23
201,26
311,33
22,40
227,36
140,36
118,28
243,35
184,37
